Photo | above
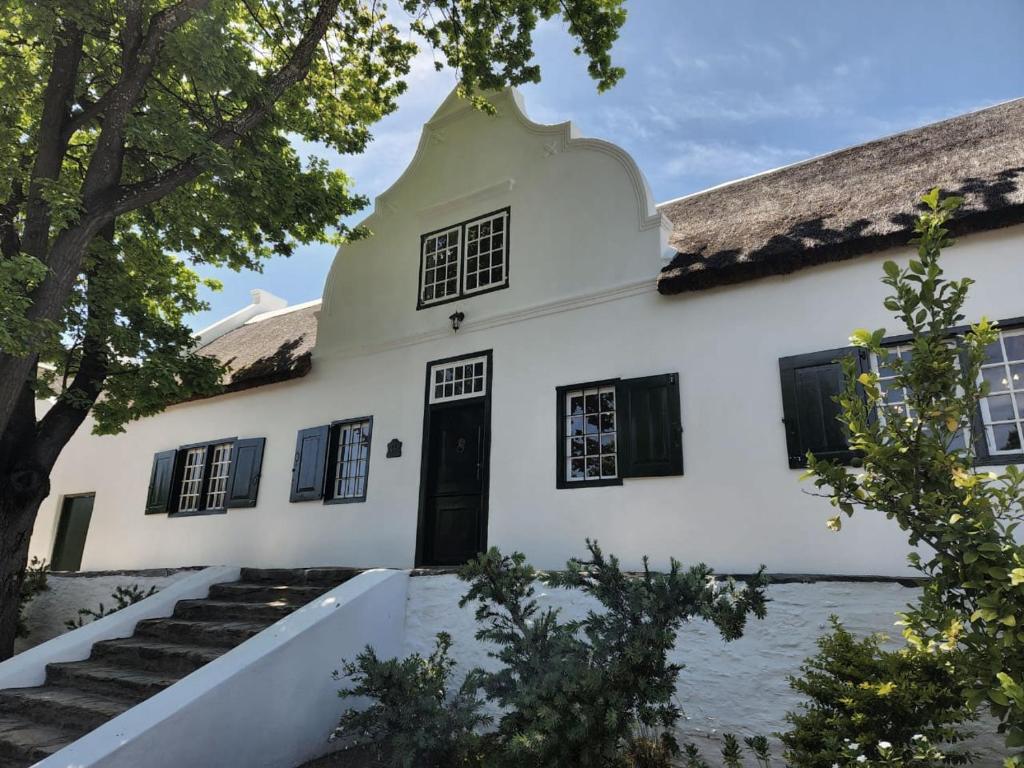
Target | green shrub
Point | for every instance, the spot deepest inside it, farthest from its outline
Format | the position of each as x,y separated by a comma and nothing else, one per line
586,693
122,597
33,583
861,694
414,722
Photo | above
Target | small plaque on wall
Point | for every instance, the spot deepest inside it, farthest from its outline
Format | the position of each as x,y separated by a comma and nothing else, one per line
394,448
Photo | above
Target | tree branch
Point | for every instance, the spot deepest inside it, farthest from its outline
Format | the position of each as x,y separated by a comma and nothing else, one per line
133,196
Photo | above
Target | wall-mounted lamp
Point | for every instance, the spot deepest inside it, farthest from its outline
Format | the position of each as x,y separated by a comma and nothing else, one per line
456,318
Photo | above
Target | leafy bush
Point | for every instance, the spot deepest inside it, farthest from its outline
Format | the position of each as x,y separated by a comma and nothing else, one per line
414,722
859,693
122,597
584,693
34,582
921,472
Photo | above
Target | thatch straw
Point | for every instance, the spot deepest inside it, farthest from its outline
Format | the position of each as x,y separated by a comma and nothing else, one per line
848,203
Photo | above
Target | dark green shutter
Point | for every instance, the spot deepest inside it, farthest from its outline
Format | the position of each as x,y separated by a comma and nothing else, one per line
244,478
310,461
161,480
651,430
810,384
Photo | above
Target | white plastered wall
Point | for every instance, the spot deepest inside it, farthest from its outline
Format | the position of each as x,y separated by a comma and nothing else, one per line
585,249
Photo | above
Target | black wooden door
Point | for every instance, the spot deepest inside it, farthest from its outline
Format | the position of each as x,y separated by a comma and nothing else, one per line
71,531
455,484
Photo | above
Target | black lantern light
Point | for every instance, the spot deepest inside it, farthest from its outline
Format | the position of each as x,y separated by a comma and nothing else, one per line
456,318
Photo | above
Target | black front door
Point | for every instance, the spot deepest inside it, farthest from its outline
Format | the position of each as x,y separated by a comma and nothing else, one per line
71,531
455,483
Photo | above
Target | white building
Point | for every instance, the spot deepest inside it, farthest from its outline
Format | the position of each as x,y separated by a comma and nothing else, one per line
604,343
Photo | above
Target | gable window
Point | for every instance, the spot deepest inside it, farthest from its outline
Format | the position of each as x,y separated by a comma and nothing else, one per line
206,477
464,259
810,384
610,430
332,462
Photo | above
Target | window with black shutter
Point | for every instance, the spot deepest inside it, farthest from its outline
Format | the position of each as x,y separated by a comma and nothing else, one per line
204,478
618,428
810,385
332,462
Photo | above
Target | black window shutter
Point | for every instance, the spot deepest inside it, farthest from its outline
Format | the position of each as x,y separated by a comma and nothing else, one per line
161,480
244,478
810,384
310,461
650,427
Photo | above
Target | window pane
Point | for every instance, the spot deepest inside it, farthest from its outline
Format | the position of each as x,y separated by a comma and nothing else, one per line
1005,437
192,480
489,267
1000,407
1014,346
591,442
352,464
220,466
996,377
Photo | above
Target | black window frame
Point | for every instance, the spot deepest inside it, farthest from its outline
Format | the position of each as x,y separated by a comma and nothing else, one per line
331,468
625,464
461,293
179,470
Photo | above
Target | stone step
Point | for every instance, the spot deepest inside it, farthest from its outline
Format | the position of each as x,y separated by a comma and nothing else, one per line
24,743
223,634
256,592
109,679
68,709
225,610
328,576
155,655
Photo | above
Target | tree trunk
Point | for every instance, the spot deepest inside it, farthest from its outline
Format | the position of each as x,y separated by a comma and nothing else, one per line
24,483
17,516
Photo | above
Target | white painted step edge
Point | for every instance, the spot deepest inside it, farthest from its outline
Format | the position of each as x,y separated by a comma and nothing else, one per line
29,667
270,702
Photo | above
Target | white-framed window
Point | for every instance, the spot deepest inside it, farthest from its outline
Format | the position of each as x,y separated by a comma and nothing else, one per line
352,461
220,468
895,398
441,266
486,248
192,479
590,434
1002,411
459,379
464,259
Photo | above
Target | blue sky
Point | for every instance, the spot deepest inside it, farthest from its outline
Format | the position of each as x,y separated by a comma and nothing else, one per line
716,90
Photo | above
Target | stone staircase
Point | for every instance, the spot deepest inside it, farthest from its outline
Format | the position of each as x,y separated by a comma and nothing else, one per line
79,696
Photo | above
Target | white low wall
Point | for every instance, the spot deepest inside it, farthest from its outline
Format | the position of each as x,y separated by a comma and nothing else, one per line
46,613
738,687
29,668
268,703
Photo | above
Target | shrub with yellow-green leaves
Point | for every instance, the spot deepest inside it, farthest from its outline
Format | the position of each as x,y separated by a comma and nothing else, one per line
922,472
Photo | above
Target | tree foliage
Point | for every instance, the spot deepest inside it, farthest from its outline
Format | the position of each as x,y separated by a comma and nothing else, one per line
922,473
858,693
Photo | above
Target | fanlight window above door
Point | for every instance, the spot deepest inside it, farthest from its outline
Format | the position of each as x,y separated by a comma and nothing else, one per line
458,379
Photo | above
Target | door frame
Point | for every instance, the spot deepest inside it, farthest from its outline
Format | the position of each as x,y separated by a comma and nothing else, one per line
485,484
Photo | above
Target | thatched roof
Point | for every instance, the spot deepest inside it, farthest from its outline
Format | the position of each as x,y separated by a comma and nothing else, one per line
267,349
848,203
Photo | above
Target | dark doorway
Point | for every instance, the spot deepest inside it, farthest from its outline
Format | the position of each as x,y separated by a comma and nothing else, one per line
71,531
453,504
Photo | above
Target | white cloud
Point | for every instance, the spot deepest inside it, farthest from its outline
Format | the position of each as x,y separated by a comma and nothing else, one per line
724,161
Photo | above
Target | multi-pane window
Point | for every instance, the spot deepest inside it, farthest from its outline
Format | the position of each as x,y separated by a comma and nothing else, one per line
591,450
620,428
192,480
353,459
220,467
1002,410
465,259
441,266
485,253
459,379
206,477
